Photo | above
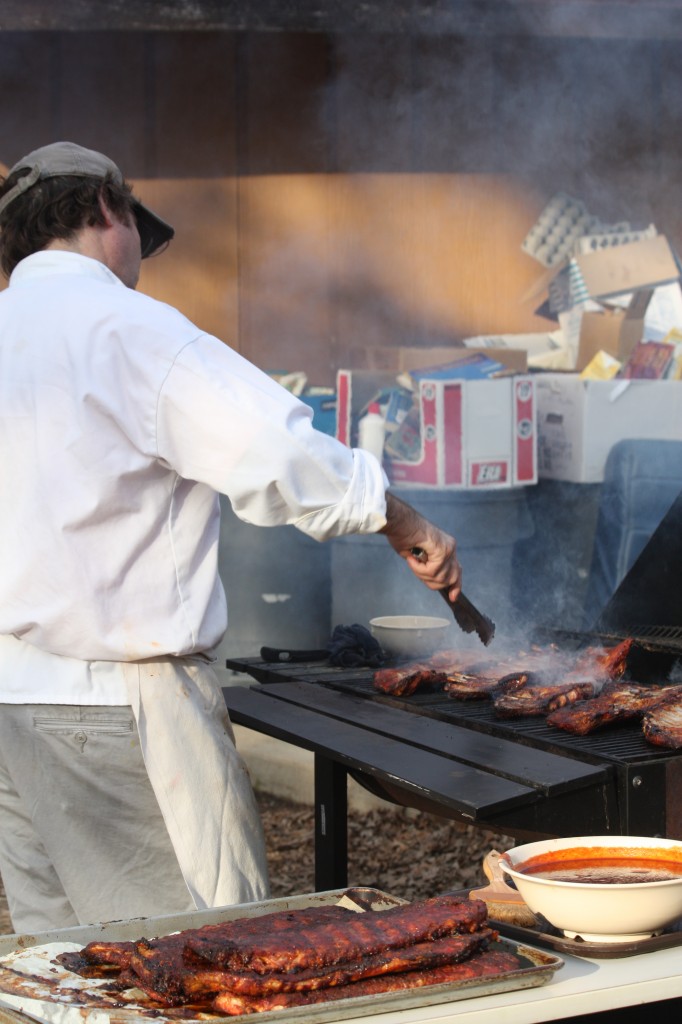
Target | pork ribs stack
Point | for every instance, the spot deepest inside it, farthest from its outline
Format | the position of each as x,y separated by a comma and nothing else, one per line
297,957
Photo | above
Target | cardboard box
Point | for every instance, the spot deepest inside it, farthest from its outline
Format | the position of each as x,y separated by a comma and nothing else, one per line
474,433
616,270
579,421
616,332
625,268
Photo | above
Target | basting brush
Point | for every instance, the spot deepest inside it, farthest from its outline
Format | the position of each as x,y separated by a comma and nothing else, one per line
505,904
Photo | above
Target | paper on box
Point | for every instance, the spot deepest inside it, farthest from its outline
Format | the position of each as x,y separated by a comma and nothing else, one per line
602,367
664,312
513,346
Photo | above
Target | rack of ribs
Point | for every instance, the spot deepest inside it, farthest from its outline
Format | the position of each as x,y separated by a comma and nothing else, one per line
464,674
467,686
423,955
98,959
406,680
328,943
540,699
300,956
611,663
480,965
662,725
618,702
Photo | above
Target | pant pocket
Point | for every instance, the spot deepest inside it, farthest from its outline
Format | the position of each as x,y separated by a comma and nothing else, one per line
87,722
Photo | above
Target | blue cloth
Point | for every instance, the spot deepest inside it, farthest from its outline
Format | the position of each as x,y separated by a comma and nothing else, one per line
353,647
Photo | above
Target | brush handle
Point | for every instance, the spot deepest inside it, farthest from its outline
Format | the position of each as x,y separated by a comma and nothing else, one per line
493,871
498,889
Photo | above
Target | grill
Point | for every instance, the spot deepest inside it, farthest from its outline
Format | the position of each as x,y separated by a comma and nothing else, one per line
456,758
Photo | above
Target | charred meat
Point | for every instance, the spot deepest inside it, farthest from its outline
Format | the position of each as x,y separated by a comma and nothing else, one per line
406,680
295,957
331,942
424,955
480,965
617,702
98,959
662,725
472,687
612,662
466,686
464,675
539,699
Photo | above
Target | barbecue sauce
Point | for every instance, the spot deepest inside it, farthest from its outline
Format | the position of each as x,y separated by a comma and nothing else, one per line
607,866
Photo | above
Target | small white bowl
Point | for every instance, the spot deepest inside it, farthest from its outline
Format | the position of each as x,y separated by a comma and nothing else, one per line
410,635
600,912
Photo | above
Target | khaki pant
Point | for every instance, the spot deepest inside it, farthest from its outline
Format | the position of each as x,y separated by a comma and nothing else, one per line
82,838
137,811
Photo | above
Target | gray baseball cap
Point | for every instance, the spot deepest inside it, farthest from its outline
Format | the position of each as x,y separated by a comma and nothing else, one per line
68,158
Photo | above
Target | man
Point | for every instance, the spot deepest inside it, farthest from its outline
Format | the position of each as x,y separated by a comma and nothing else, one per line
121,792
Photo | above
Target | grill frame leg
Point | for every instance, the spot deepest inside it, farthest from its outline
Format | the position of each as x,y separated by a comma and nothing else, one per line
331,824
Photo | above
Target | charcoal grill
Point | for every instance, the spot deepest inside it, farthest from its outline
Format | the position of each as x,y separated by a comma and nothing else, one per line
456,758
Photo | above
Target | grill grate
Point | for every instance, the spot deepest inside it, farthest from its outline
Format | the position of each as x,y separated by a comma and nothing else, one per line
669,636
623,744
657,639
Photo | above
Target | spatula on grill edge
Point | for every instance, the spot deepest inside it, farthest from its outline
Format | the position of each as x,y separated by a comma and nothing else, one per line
467,616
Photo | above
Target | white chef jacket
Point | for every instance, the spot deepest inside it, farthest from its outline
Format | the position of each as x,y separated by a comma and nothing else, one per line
120,421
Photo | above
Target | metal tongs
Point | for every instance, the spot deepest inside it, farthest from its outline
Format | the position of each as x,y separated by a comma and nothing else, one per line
467,616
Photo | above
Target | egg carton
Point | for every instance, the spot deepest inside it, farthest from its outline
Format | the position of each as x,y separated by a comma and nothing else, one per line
565,220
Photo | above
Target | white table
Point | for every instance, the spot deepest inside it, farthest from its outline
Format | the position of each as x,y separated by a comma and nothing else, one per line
581,986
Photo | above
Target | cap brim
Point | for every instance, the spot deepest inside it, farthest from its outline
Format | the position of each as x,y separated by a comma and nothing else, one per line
155,233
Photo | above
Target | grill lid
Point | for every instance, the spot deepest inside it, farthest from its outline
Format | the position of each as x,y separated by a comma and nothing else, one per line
651,592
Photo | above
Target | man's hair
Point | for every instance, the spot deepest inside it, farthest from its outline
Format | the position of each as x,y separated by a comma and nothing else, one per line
56,208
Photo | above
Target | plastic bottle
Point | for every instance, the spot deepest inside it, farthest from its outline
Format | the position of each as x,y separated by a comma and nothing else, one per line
372,431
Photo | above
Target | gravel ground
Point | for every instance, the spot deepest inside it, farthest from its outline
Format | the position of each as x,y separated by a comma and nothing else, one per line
403,852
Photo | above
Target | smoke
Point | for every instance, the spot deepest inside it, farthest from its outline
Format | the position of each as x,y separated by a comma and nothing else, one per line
386,182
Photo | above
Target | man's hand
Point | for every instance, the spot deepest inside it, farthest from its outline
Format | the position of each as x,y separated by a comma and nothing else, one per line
430,552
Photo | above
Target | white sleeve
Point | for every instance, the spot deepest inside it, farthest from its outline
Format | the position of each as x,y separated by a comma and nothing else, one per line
223,422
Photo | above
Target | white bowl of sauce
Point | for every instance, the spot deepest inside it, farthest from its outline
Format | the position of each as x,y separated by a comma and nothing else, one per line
600,888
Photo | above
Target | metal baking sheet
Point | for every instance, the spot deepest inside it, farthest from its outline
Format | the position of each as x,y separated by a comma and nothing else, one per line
33,987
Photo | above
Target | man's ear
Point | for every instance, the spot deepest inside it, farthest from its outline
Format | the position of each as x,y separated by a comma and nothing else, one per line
109,219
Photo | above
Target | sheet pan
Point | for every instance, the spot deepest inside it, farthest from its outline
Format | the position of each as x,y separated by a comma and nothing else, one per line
32,986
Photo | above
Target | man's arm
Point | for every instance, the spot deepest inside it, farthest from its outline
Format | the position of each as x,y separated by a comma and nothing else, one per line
406,530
